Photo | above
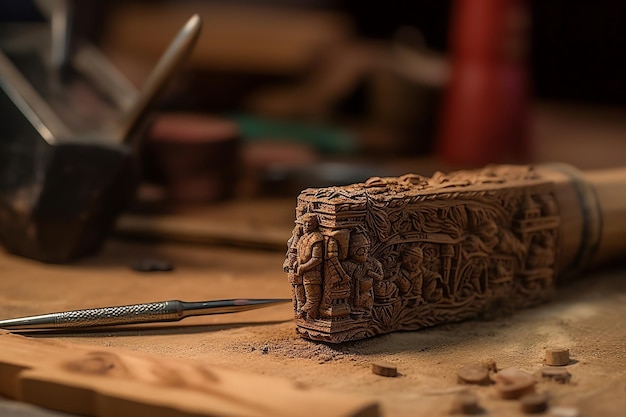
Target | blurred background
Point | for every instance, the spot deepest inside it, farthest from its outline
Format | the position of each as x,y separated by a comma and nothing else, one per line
282,95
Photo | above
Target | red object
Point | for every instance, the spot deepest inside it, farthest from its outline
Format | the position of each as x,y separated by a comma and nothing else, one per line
196,156
485,114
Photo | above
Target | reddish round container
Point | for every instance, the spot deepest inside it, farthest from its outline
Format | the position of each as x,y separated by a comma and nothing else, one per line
197,157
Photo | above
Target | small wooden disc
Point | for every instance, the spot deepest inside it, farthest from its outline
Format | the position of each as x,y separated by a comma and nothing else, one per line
513,383
474,373
564,411
384,369
534,403
557,357
465,403
558,374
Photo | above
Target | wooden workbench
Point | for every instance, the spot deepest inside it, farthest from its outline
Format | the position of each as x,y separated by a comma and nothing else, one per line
587,316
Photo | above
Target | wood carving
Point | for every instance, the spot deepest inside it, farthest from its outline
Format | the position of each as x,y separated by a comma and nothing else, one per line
409,252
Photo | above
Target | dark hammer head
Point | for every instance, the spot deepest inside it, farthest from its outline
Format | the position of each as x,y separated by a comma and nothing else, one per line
66,156
60,186
59,202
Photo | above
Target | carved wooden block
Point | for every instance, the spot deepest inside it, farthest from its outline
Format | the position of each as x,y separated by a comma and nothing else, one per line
409,252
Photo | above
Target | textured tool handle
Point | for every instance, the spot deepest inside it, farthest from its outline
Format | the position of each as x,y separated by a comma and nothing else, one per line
108,316
171,310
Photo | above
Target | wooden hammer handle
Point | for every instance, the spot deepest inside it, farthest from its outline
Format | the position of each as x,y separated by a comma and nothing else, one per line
592,206
610,189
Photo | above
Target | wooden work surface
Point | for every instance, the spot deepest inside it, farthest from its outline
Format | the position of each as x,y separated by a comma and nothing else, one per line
587,317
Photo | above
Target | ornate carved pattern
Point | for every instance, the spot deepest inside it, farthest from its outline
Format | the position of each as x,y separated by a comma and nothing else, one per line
409,252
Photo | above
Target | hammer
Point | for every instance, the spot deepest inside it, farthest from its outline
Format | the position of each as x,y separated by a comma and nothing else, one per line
68,156
410,252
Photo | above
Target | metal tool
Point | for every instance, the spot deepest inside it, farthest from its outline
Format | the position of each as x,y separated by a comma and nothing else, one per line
170,61
61,22
69,154
161,311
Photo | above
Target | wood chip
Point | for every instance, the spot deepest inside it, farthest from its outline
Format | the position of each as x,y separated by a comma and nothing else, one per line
445,391
384,369
556,373
564,411
474,373
534,403
513,383
152,265
490,364
466,403
557,356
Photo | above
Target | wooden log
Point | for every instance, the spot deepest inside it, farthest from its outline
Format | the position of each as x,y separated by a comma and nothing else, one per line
107,382
409,252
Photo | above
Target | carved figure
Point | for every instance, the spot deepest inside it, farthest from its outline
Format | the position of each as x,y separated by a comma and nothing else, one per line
289,266
309,265
409,252
363,270
337,290
541,253
415,282
483,239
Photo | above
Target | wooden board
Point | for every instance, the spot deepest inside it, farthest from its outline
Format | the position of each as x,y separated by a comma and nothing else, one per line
101,381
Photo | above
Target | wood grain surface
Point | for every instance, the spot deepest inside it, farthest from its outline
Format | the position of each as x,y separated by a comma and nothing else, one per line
103,381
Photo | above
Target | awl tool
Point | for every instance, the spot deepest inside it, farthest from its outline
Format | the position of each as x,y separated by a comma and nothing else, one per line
161,311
